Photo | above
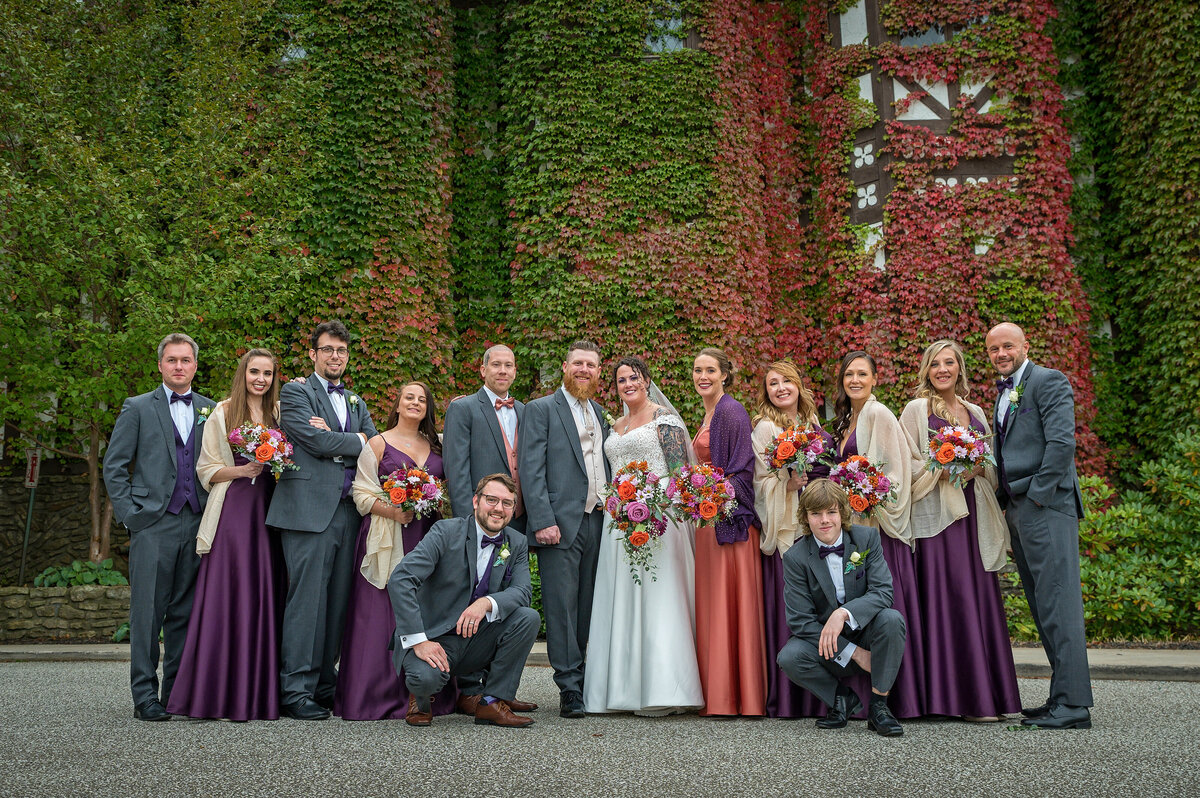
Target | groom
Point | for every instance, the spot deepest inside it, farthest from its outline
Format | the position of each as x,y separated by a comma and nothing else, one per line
1039,491
563,471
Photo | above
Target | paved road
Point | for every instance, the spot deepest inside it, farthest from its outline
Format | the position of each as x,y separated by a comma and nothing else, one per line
66,729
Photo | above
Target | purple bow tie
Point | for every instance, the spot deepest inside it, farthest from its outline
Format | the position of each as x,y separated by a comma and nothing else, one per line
339,389
185,398
825,551
1004,384
496,541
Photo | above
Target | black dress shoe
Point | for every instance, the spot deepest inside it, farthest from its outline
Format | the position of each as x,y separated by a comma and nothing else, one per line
326,702
1061,716
304,709
1036,712
845,704
881,720
151,710
570,704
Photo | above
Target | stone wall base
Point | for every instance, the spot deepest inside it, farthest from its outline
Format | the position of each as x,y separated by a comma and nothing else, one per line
86,613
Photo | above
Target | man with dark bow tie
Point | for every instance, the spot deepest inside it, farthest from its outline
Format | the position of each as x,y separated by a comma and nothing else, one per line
327,425
461,601
150,476
1039,491
838,594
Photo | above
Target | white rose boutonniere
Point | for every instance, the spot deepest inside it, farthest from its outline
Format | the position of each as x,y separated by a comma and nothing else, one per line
352,399
609,420
1014,396
502,555
856,559
204,414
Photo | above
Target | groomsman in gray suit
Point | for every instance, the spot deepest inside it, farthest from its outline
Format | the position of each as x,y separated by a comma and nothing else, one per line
564,469
318,522
838,593
482,432
461,602
160,501
1039,491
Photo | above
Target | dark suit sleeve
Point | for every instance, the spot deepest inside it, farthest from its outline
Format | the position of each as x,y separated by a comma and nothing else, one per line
365,424
296,408
122,448
456,447
531,461
803,620
519,592
879,584
1056,405
411,572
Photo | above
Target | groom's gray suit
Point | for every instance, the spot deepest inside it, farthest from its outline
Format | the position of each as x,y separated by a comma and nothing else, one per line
810,598
473,448
318,527
160,502
431,587
554,486
1039,491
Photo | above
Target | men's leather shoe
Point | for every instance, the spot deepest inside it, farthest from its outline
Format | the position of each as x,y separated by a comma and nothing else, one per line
881,720
845,704
417,717
517,705
304,709
325,702
151,710
497,713
570,704
1061,716
467,704
1036,712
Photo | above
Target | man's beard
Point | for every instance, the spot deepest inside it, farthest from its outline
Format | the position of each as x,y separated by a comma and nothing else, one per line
582,392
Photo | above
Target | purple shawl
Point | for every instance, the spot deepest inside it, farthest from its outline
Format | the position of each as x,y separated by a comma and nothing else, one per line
732,451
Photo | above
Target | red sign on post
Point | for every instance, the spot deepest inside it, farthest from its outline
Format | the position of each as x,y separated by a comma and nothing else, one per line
33,467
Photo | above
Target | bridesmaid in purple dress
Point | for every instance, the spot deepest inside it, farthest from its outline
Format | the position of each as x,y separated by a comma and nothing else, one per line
863,425
961,540
368,687
230,666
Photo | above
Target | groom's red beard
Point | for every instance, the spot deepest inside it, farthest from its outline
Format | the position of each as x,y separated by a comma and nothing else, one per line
582,392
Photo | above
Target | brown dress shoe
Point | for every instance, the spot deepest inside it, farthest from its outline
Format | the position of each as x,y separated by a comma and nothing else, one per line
466,704
517,705
416,717
497,713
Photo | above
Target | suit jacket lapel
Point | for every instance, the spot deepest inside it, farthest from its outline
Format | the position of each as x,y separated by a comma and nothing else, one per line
326,406
567,417
493,423
853,586
162,406
821,570
497,577
470,546
1015,412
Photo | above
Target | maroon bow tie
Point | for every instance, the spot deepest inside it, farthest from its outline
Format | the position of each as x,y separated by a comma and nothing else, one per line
509,402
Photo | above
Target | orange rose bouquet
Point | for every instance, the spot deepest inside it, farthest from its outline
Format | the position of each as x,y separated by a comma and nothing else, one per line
957,450
262,444
864,482
417,491
637,503
799,449
701,493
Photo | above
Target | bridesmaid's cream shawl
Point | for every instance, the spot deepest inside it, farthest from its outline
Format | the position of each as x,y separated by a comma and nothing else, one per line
215,454
879,439
385,546
936,504
778,508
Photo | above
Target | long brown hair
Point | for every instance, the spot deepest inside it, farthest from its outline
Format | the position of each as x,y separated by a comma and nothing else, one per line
723,363
806,406
924,388
427,429
238,411
841,406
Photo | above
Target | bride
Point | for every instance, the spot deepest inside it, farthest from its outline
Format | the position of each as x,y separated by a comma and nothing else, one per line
641,654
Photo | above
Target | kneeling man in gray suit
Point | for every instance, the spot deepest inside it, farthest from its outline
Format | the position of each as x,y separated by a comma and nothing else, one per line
461,600
838,593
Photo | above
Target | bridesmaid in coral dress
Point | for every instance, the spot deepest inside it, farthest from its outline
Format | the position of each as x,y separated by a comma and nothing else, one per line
730,641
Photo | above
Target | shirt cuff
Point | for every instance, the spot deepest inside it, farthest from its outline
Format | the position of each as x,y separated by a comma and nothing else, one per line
843,657
408,641
853,624
494,613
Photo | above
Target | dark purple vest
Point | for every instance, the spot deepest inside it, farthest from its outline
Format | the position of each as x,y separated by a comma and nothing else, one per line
185,474
351,470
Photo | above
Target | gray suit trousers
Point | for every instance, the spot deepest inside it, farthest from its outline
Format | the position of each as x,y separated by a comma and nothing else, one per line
321,571
883,637
499,649
1045,544
162,577
568,582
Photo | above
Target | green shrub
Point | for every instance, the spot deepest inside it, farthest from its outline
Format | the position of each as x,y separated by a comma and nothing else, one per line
80,573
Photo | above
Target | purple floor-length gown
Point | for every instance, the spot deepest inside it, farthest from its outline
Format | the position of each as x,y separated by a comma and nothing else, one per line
368,687
230,666
907,697
968,656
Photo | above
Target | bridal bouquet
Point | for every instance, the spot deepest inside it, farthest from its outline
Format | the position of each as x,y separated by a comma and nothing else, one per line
265,445
637,502
957,450
864,481
798,448
415,490
701,493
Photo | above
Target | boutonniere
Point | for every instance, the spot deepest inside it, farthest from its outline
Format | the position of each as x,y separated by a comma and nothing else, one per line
352,399
502,555
204,413
609,420
856,559
1014,396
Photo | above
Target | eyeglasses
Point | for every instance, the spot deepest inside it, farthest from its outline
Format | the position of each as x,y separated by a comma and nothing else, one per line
492,501
329,351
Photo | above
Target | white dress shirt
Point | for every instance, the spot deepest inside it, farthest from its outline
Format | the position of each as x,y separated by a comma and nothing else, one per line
1002,399
837,573
336,399
181,413
506,416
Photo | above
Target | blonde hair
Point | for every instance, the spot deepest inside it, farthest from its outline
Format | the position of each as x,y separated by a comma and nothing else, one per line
924,388
806,406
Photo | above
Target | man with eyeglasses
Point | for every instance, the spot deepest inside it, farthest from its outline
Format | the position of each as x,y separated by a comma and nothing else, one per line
318,522
461,601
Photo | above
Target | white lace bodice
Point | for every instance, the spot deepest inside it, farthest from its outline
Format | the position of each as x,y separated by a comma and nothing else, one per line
641,444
